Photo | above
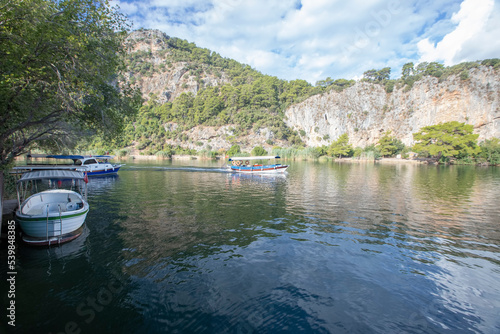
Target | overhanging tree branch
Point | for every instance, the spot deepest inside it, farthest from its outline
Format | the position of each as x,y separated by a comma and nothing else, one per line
57,59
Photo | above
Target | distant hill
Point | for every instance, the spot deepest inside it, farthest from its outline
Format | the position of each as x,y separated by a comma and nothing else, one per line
195,99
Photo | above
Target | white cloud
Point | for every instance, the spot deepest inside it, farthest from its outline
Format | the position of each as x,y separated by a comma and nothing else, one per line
315,39
485,44
470,21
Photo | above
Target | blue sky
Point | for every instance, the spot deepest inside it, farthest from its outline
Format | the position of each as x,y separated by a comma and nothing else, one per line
316,39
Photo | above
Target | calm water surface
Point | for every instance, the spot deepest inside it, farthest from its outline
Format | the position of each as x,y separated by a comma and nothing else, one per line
185,247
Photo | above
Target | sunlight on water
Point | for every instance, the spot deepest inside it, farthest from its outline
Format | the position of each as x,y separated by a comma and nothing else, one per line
325,248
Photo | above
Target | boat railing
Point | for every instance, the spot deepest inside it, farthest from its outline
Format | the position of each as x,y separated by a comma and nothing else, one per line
47,224
60,225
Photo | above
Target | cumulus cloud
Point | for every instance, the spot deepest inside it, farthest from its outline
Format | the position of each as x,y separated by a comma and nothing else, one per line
470,21
315,39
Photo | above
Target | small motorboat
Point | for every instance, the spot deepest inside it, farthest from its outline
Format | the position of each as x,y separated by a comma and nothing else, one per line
52,216
244,165
96,165
93,165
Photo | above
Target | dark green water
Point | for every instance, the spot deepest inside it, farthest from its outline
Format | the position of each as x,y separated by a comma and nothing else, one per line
328,248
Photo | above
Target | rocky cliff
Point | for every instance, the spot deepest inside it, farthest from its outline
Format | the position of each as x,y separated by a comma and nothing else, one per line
365,111
166,67
153,67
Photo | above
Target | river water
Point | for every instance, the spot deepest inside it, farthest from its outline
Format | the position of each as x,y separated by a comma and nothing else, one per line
185,247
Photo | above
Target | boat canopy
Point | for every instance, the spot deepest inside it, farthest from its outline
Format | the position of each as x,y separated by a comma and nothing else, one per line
75,157
51,174
255,158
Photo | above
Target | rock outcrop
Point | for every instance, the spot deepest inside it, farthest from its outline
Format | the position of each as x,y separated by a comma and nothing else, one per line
164,78
365,111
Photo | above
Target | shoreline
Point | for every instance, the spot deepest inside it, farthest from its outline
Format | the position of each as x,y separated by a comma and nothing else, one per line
138,157
385,161
347,160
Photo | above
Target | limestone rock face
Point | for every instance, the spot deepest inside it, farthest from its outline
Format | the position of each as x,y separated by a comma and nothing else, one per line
165,78
365,111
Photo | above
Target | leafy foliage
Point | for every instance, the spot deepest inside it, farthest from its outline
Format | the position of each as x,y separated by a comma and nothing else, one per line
337,85
58,62
258,151
235,149
377,76
490,151
411,74
444,140
386,145
340,147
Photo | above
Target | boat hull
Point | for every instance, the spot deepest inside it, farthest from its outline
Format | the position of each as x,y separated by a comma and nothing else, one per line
113,170
270,169
52,214
43,226
34,241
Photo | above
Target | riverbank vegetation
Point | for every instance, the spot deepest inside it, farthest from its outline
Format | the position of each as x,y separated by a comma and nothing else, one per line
445,143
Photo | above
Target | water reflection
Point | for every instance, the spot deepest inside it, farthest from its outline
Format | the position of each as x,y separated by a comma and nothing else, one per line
326,248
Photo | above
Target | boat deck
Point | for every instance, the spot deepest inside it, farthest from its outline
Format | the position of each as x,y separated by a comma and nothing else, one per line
41,209
51,202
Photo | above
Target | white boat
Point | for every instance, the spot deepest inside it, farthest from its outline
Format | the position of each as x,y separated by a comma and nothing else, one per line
93,165
52,216
244,165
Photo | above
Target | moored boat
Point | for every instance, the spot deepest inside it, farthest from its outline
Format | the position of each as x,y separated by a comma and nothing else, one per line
244,165
93,165
52,216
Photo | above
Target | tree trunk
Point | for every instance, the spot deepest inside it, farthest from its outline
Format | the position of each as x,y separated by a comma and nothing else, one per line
439,156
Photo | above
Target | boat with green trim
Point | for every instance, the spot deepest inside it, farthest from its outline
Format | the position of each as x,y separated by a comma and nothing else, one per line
52,216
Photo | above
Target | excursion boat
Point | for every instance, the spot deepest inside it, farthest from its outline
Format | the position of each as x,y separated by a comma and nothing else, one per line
93,165
52,216
244,165
96,165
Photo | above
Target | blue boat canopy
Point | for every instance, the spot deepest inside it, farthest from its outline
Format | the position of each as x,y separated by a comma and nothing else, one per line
255,158
65,156
75,157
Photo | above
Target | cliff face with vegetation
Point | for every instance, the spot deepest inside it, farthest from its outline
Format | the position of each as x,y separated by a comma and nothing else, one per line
195,99
365,111
156,65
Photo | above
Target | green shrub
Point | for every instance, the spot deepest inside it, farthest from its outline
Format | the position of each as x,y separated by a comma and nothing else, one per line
123,152
490,151
164,154
464,75
235,149
258,151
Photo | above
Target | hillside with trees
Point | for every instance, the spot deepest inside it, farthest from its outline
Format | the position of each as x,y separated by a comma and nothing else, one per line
197,101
